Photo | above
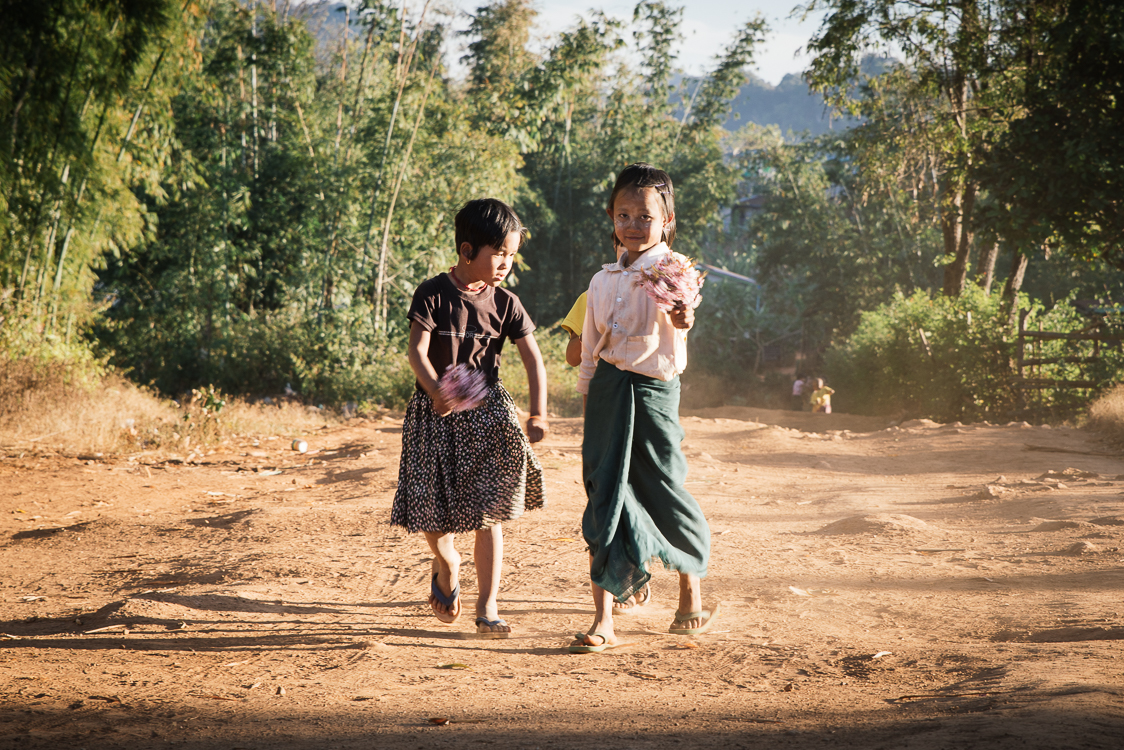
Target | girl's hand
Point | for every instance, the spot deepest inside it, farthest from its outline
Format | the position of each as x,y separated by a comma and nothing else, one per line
537,428
682,317
440,406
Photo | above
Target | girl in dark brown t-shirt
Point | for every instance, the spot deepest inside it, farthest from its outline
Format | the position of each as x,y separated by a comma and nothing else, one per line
470,470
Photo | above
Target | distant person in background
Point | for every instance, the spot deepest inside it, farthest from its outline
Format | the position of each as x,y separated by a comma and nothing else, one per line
798,393
821,397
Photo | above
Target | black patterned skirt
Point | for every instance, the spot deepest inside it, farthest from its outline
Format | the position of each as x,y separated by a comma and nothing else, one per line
465,471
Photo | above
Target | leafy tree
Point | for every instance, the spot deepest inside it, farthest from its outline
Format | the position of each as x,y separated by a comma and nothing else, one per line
309,200
947,85
1057,173
612,115
84,92
950,359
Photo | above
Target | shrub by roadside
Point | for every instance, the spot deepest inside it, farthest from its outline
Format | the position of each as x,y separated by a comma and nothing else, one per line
1106,415
952,359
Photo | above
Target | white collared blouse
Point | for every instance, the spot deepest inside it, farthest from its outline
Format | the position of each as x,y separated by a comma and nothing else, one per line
624,327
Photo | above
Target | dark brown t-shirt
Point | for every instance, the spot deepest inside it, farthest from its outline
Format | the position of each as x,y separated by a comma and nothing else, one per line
468,328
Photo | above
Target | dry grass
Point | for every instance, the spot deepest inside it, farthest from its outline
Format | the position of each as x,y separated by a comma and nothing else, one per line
1106,415
68,409
50,404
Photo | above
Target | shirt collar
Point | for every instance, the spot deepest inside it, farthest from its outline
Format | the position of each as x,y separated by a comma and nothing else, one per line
650,257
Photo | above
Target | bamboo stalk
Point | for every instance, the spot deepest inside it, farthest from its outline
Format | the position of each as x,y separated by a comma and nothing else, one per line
343,77
327,287
132,127
49,244
140,107
48,249
242,99
402,76
357,108
304,128
380,290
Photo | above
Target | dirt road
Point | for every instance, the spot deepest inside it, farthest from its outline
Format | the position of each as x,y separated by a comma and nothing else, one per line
922,586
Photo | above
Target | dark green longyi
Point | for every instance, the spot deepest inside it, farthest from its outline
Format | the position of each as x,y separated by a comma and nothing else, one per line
634,470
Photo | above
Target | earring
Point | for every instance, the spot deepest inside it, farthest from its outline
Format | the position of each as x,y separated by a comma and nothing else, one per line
468,262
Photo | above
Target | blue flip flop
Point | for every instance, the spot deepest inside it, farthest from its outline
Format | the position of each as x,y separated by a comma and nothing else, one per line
452,600
491,624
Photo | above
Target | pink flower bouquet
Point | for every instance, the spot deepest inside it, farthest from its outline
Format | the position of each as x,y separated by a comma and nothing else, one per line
462,387
672,282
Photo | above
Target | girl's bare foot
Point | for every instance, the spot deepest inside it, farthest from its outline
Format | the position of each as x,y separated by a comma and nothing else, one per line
591,643
488,557
600,635
493,626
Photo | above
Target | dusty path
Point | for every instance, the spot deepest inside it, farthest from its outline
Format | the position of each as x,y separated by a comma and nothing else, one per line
925,587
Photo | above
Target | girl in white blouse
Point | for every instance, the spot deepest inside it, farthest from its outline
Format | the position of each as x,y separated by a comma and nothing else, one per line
634,469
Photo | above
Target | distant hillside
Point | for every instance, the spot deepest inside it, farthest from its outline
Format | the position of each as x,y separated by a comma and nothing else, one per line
789,105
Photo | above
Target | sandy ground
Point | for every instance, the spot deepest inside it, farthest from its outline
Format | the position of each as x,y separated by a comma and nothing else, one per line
921,586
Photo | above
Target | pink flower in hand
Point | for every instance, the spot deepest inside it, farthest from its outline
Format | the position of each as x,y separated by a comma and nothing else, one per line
672,282
462,388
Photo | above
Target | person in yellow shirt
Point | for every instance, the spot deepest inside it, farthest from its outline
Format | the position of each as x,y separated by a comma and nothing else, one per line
572,324
821,397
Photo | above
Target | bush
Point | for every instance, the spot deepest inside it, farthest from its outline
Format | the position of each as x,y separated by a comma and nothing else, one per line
1106,415
953,359
330,357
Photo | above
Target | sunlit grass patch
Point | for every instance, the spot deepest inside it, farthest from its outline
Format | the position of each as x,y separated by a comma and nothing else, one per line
1106,415
64,406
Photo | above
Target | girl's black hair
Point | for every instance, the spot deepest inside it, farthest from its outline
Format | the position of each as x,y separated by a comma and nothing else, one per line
486,221
641,175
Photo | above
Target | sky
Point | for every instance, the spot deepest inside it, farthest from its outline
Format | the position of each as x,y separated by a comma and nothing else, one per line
708,26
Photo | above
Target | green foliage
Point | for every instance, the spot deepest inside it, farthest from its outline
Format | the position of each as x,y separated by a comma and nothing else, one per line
251,208
1056,172
290,251
27,352
952,359
941,358
563,398
607,119
828,241
84,88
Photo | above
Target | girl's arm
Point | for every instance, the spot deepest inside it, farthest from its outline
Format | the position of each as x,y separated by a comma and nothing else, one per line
418,352
536,383
574,351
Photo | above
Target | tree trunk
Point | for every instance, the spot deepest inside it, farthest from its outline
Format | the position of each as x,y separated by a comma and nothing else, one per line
1014,284
987,267
958,239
